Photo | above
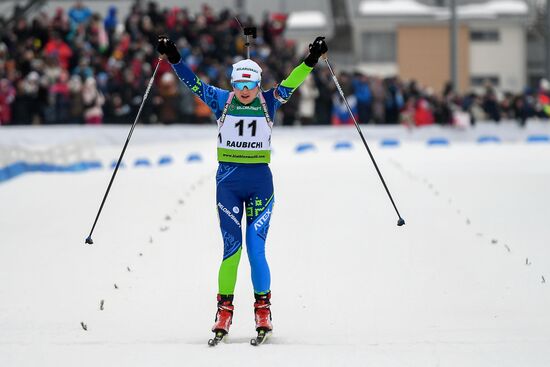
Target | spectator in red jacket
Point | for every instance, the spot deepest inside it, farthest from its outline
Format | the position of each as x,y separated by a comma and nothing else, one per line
59,49
543,99
59,99
423,113
7,96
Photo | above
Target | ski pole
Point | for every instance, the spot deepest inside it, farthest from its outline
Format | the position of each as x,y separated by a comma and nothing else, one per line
89,239
400,221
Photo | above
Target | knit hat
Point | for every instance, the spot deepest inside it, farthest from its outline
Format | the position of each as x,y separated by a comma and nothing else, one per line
246,70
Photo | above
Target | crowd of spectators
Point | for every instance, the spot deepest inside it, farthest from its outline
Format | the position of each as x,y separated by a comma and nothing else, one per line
78,67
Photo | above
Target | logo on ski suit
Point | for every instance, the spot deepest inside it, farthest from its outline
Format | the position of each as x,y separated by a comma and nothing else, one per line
263,219
229,214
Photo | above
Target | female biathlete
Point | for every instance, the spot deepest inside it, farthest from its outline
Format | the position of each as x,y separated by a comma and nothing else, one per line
245,118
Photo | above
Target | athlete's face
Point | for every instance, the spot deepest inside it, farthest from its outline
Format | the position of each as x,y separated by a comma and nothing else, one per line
246,96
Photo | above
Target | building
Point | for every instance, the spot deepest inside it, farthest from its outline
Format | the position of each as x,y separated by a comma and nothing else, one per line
411,39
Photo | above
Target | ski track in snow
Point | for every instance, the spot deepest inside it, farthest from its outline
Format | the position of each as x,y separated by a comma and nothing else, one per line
463,283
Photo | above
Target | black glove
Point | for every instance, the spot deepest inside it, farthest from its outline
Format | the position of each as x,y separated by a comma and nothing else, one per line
316,49
167,47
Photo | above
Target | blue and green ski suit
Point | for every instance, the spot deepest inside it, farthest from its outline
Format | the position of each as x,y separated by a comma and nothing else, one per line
244,183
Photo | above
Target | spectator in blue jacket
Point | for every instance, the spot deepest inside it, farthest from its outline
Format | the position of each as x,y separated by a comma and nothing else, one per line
364,97
79,14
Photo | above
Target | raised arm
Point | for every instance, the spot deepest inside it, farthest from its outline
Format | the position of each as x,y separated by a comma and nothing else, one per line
214,97
300,73
292,82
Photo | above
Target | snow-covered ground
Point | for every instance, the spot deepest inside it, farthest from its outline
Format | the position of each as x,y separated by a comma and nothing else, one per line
466,282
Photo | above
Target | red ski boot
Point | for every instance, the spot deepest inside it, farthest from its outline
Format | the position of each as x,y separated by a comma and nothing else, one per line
262,312
224,316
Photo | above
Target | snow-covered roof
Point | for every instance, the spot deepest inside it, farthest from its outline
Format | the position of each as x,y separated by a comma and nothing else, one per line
489,9
395,7
494,8
306,19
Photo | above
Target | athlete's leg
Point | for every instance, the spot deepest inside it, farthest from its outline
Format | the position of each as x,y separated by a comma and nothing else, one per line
258,214
230,212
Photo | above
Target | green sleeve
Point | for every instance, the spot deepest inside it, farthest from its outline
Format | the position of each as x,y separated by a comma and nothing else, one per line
297,76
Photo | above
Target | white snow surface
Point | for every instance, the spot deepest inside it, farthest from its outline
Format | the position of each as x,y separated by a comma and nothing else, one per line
461,284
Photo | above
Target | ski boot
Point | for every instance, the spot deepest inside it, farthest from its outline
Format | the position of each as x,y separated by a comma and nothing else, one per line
262,311
262,314
224,317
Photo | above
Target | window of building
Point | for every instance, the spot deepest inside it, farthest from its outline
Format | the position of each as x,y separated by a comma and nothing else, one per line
379,47
483,80
491,35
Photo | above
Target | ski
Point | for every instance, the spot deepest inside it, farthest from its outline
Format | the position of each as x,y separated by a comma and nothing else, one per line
260,338
216,339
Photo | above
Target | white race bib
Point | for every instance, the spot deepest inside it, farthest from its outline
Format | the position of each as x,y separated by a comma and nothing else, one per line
244,133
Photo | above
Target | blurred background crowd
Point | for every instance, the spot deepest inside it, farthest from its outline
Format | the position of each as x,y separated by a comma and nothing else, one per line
78,67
